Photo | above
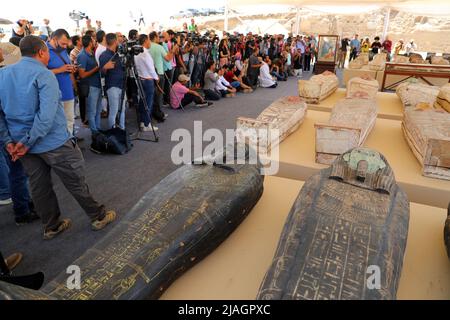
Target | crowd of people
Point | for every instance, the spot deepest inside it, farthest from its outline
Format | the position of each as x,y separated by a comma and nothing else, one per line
354,47
61,76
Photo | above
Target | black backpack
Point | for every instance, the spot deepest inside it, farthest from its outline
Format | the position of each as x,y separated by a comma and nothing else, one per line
113,141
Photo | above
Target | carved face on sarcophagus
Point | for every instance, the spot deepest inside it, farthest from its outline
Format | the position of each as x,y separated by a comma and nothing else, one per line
345,237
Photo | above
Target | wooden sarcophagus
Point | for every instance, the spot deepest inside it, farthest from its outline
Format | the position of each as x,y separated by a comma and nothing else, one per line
345,236
379,62
363,87
285,115
427,132
443,98
318,88
175,225
350,124
413,93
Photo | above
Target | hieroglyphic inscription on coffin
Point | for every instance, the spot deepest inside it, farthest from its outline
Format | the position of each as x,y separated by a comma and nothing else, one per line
179,222
284,115
340,227
350,123
428,135
318,88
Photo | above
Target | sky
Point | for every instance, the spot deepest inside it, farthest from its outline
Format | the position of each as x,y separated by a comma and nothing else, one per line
112,12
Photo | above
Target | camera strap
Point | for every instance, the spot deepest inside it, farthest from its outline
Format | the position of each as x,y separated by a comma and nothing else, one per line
60,56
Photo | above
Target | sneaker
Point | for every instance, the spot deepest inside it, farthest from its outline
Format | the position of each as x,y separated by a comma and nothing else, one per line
13,260
98,225
63,226
148,129
26,219
5,202
165,116
166,105
202,105
210,104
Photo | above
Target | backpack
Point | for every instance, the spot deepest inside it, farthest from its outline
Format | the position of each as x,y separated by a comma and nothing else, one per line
113,141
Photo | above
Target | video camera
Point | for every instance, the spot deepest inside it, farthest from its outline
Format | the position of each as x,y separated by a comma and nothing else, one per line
78,16
130,48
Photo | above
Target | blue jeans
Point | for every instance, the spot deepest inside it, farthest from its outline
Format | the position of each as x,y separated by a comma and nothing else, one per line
114,99
14,184
94,108
149,90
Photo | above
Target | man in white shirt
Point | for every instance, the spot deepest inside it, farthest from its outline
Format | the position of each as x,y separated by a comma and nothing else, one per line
101,40
223,86
147,75
265,78
45,30
411,47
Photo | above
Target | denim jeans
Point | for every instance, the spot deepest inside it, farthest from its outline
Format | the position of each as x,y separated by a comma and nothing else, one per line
16,184
94,108
149,90
114,99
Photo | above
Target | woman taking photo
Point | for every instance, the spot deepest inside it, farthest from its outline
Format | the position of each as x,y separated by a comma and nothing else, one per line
224,52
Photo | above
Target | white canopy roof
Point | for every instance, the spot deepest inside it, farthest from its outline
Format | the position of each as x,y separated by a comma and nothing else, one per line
420,7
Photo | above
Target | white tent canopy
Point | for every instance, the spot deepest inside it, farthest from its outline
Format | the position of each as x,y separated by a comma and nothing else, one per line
422,7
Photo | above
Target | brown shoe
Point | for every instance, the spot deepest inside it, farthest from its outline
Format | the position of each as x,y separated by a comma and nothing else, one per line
13,260
63,226
98,225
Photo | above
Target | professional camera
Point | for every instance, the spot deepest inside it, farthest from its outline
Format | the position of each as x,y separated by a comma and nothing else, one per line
131,48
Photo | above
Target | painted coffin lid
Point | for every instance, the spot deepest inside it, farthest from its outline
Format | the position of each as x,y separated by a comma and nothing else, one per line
379,62
439,61
175,225
349,221
350,123
362,87
443,98
285,115
318,88
360,61
413,93
428,134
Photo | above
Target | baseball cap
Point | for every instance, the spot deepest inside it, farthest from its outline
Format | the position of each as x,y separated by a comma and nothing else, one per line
183,78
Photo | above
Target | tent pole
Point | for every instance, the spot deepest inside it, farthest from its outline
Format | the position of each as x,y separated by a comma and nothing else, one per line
226,16
387,17
297,28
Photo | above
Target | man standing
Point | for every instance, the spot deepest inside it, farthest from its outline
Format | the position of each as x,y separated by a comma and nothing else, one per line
253,68
411,47
168,66
33,128
89,72
114,81
342,55
147,75
101,45
45,29
159,55
355,47
193,28
387,47
60,65
88,27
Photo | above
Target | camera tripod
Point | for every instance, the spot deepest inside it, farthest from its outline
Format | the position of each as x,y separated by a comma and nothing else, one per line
131,67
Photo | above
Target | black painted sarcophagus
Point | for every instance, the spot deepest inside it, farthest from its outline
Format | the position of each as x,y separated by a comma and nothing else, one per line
447,232
345,236
175,225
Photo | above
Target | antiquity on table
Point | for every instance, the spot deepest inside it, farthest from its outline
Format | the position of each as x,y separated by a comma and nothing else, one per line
174,226
428,134
413,93
285,115
349,222
362,87
350,124
318,88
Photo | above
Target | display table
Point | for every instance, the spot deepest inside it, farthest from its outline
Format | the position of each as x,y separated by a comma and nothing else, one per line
297,159
390,106
379,75
236,269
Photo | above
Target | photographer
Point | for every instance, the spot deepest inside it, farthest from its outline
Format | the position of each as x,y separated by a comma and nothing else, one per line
90,81
114,80
211,79
224,53
181,95
22,28
148,76
169,65
61,66
253,69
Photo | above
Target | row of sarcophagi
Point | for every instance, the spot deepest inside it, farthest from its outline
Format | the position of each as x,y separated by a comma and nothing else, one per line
347,219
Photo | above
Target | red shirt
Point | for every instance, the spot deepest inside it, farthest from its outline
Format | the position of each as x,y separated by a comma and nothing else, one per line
387,45
229,76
